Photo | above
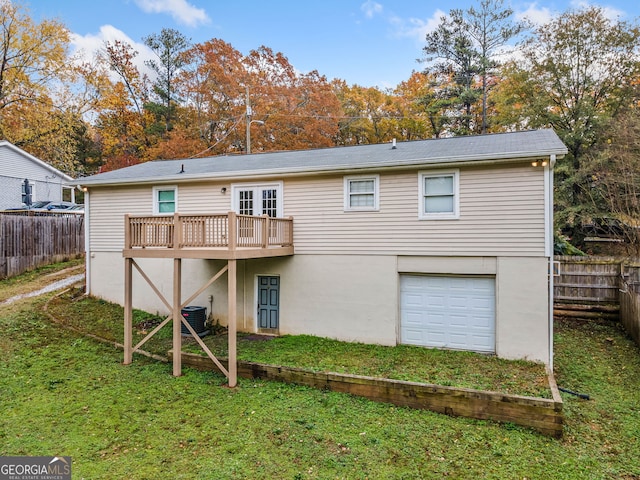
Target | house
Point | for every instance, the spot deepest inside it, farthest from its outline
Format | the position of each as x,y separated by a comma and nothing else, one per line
442,243
45,182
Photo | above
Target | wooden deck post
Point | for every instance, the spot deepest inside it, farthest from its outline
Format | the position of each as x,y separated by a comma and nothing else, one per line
127,232
265,231
177,317
128,311
232,327
290,231
232,220
177,231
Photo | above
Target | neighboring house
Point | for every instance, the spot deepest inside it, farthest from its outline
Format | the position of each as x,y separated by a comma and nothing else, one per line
45,182
442,243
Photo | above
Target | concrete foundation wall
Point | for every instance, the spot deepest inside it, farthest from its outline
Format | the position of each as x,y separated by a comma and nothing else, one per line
347,297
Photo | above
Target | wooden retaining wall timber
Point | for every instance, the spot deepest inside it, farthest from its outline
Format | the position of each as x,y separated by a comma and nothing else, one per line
541,414
28,242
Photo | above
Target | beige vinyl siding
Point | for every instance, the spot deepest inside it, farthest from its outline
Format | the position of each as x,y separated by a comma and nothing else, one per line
108,206
501,213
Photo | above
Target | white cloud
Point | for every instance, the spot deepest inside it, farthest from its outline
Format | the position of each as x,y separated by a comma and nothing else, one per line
543,15
609,12
416,28
536,15
181,10
371,8
87,46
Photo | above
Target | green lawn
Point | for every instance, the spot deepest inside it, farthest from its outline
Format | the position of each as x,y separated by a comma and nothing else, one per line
442,367
64,394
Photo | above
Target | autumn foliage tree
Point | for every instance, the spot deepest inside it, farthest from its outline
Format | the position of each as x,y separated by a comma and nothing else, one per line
40,111
294,110
123,122
212,82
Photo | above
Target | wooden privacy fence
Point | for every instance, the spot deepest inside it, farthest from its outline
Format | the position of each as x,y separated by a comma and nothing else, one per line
599,287
27,242
588,286
587,280
630,304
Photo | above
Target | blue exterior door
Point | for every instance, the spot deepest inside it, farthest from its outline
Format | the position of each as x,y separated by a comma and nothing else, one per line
268,302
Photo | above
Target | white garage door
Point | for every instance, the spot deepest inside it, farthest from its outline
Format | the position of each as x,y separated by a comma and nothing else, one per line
448,312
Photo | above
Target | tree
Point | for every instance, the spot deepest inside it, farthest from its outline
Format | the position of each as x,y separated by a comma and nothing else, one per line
436,102
123,122
576,76
363,112
467,43
169,46
453,45
300,111
213,83
297,110
31,56
491,28
408,112
44,92
612,182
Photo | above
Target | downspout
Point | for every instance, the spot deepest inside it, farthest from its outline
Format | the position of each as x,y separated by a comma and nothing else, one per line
87,244
549,246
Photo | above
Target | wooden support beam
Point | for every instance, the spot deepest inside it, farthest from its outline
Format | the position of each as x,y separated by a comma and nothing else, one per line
232,327
206,349
153,287
205,286
153,332
128,311
177,317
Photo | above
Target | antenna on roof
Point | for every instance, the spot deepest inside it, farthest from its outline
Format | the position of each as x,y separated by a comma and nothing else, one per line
182,168
393,143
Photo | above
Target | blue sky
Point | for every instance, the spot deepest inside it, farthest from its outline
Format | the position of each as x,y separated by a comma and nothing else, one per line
365,42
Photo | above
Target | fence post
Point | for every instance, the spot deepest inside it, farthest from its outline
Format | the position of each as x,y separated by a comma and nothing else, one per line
233,230
177,230
290,242
265,231
127,232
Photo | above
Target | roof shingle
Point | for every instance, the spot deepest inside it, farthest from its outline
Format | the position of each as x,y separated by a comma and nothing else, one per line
467,149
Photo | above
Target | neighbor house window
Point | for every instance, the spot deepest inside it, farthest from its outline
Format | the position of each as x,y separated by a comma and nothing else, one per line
165,200
361,193
439,195
30,190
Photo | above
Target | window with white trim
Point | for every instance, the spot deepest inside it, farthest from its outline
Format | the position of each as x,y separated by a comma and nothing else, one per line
258,199
361,193
165,200
439,194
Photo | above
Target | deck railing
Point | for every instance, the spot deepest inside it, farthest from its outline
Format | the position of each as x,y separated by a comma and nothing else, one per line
229,230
